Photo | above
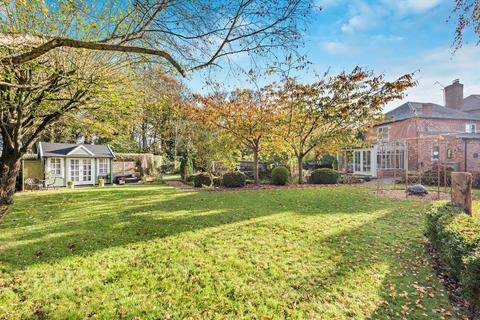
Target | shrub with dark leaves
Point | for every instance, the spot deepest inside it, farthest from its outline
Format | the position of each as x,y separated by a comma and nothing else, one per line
324,176
235,179
203,179
280,176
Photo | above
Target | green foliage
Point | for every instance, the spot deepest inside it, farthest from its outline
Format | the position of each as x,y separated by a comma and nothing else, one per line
457,239
217,181
280,176
186,167
202,179
323,176
349,180
234,179
327,161
430,176
335,164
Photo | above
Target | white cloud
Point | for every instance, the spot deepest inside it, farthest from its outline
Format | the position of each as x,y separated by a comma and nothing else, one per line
335,47
327,3
388,38
440,65
364,15
416,5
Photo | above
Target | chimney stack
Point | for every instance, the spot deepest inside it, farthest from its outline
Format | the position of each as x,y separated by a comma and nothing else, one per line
454,95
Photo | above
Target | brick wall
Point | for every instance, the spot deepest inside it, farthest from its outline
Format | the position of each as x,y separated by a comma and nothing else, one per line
411,128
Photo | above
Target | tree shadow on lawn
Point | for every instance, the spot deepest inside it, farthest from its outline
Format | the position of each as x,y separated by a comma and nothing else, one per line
377,267
380,271
47,227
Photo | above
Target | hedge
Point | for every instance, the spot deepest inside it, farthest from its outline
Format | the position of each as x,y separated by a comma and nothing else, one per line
456,236
323,176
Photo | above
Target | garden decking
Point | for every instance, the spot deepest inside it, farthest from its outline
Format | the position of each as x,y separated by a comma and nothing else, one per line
152,251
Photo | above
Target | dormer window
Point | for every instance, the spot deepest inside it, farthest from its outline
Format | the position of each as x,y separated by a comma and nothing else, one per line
382,133
470,128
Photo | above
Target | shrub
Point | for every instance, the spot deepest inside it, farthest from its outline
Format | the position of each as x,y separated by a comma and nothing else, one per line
323,176
186,167
456,236
280,176
217,181
235,179
430,176
202,179
349,180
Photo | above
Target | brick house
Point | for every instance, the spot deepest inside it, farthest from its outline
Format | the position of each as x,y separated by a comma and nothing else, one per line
416,136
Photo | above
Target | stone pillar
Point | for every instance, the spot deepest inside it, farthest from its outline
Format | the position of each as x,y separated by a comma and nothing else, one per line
462,190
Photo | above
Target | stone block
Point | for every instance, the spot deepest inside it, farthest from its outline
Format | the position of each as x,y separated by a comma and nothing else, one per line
462,190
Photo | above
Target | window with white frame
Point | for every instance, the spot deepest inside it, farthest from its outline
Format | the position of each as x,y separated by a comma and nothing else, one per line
435,153
470,128
55,167
391,156
102,167
382,133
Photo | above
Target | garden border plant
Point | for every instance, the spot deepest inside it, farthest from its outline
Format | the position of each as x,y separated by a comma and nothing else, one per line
323,176
456,237
202,179
235,179
280,176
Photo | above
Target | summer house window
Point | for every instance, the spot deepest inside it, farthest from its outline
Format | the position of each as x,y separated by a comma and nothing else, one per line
55,167
102,167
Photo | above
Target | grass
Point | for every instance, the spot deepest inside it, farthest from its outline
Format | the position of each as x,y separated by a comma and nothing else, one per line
153,252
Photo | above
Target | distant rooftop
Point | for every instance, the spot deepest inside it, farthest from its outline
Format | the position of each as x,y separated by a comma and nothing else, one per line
427,110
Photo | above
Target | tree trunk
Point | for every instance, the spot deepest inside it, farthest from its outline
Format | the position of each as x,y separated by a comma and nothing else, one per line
300,169
9,168
144,137
255,165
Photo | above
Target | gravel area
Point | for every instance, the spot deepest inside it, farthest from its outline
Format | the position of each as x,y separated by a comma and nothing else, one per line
401,194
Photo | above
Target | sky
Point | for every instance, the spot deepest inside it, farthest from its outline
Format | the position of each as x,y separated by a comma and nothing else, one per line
393,37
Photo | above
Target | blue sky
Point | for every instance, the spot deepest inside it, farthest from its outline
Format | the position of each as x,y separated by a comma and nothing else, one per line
388,36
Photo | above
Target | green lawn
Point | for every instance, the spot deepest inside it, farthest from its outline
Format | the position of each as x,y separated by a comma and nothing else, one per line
149,252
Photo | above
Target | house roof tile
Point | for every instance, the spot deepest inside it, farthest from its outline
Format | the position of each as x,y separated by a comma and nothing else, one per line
417,110
471,103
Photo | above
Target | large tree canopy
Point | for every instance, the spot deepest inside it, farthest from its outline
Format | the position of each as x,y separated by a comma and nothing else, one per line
243,115
326,111
187,35
60,56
